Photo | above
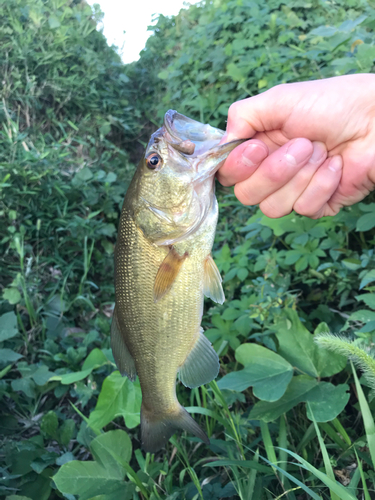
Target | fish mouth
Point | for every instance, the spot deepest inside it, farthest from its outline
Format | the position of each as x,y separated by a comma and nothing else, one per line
214,159
199,142
189,136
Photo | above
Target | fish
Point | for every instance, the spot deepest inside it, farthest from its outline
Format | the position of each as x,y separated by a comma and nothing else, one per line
163,270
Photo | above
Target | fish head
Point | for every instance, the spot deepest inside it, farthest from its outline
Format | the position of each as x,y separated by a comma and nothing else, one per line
173,187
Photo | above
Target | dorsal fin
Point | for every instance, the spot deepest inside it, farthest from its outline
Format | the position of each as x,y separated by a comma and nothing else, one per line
167,273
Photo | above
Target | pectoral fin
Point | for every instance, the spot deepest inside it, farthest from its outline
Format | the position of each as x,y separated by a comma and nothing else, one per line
202,364
167,273
212,286
124,360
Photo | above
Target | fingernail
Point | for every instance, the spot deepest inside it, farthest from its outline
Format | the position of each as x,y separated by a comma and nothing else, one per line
335,163
253,155
319,152
298,151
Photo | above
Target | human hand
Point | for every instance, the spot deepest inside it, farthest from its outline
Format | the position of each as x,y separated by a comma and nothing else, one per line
312,148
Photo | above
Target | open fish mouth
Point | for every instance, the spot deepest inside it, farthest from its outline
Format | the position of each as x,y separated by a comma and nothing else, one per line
198,142
190,136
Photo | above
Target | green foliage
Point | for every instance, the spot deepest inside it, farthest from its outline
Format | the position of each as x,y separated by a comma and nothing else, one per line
240,48
103,478
73,119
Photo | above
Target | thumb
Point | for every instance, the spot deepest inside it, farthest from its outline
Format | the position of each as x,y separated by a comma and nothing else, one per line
264,112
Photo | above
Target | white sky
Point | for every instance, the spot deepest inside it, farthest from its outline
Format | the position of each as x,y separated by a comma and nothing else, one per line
125,22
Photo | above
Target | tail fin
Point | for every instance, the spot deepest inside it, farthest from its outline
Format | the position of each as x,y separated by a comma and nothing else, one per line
157,429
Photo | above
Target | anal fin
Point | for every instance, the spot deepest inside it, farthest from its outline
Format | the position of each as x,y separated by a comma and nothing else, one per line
201,365
167,273
124,360
212,286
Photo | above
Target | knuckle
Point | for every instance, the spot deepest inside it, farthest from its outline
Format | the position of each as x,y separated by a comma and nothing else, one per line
301,208
275,174
224,181
241,194
272,210
234,109
278,89
304,177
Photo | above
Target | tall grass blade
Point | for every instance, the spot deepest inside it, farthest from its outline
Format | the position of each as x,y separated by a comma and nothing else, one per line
341,491
353,485
268,445
282,440
296,481
326,460
364,485
340,429
252,478
368,421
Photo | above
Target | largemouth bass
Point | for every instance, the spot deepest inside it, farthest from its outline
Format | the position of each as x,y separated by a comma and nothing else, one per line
163,269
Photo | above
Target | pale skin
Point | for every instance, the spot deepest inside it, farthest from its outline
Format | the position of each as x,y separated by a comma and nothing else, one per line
312,147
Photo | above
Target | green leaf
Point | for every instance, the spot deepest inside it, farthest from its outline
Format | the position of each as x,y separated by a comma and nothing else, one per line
66,432
49,424
326,401
365,56
230,313
163,75
95,359
302,264
325,31
25,385
8,326
118,397
296,392
53,22
236,73
296,345
111,177
71,378
368,299
17,497
282,225
242,274
90,479
268,372
108,448
366,222
83,175
368,278
7,355
363,315
12,295
352,264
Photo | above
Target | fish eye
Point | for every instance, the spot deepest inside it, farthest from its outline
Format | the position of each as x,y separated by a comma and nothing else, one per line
153,161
